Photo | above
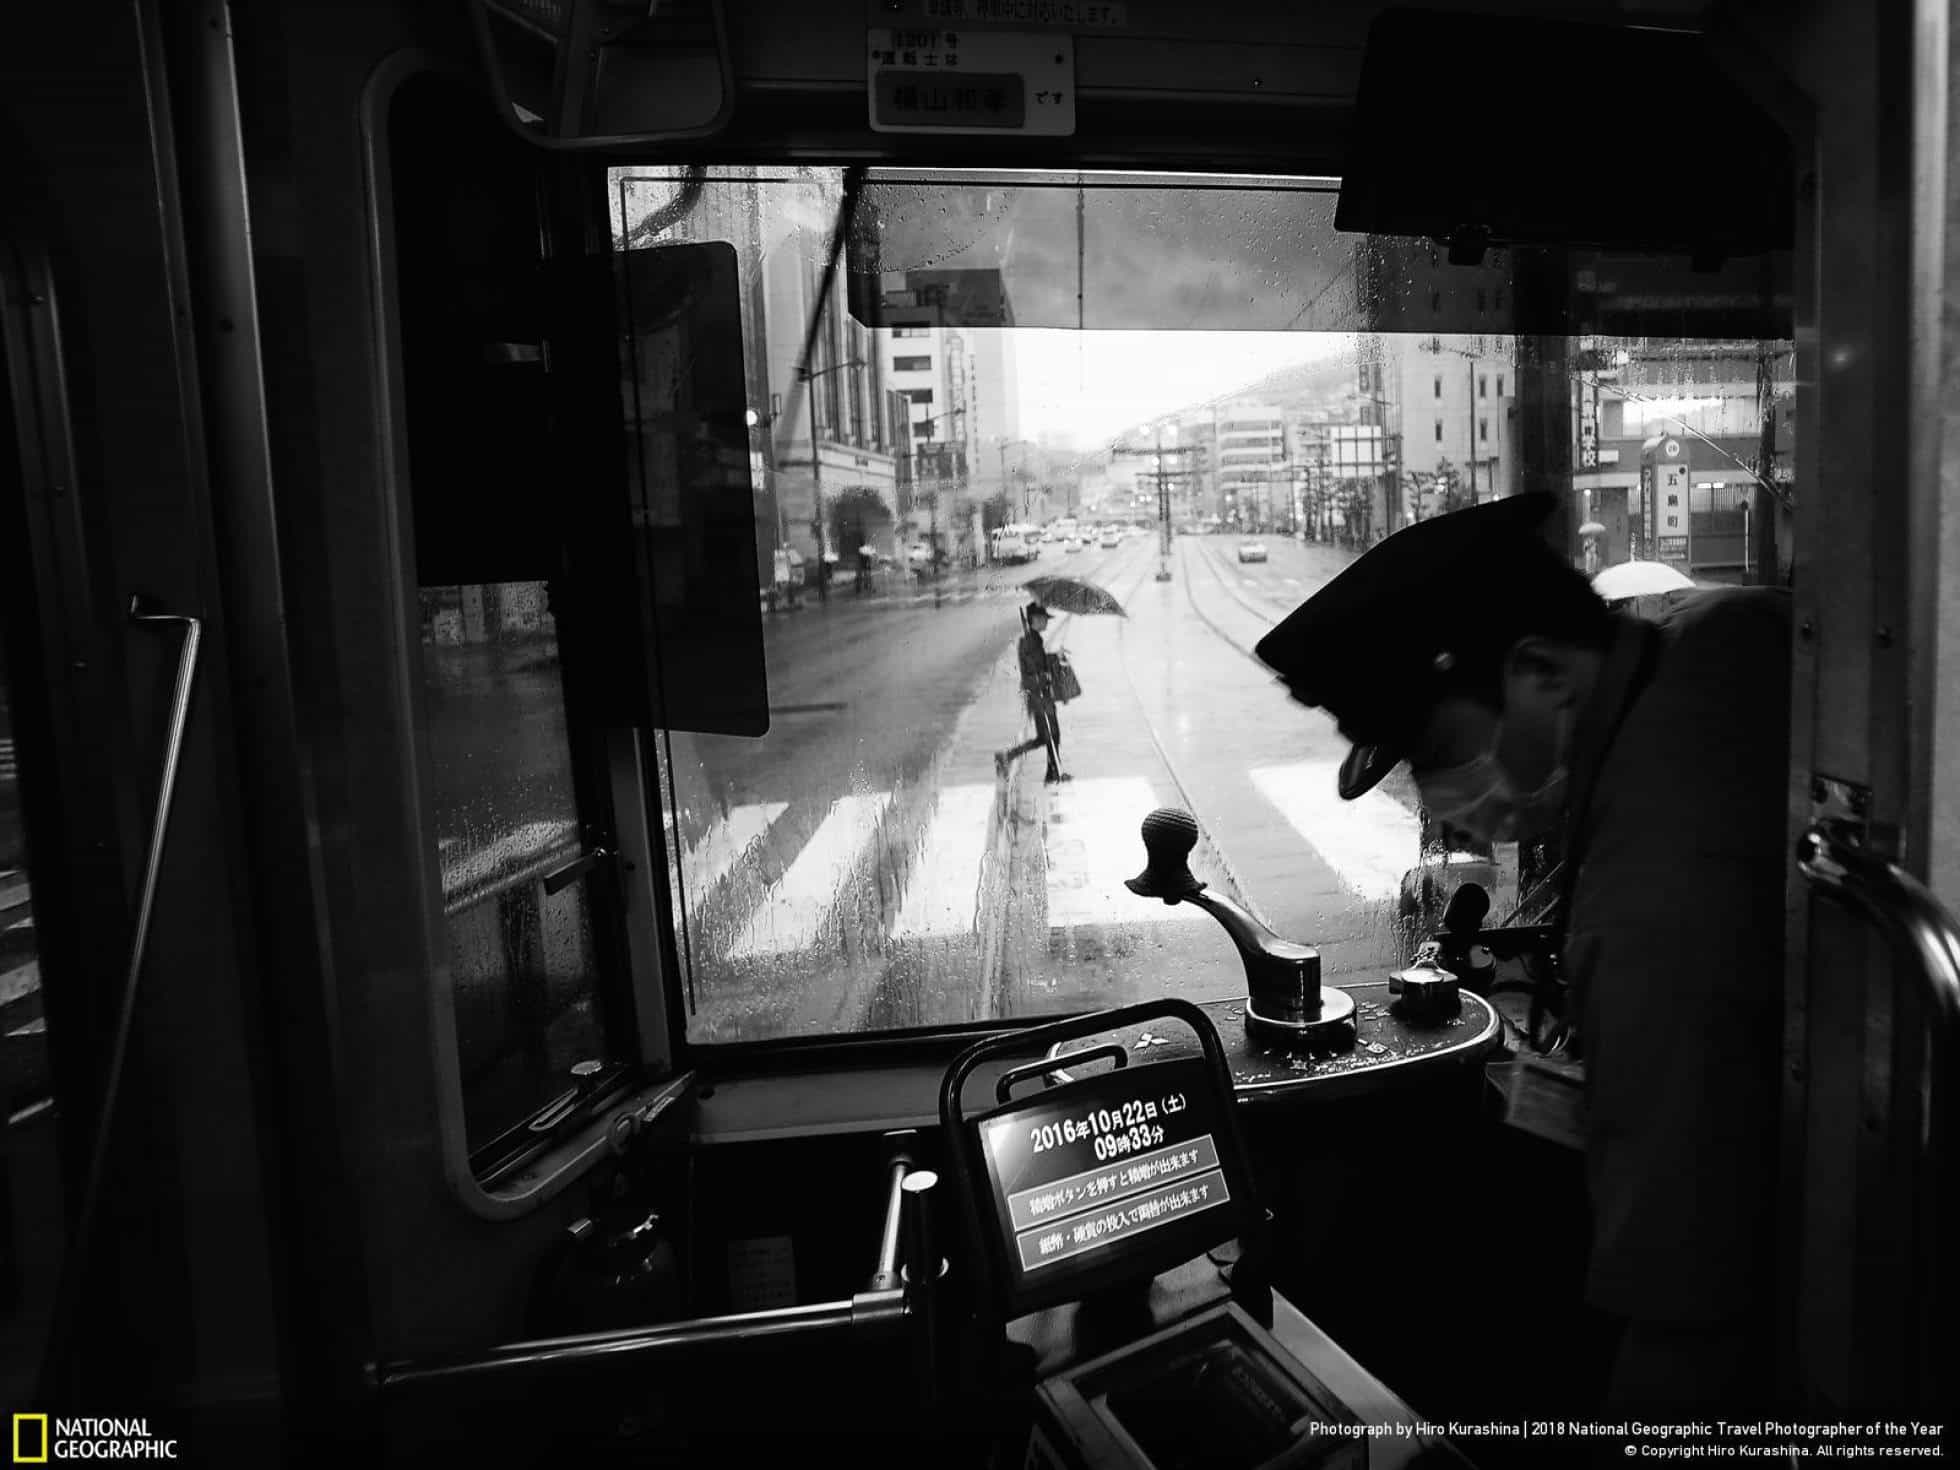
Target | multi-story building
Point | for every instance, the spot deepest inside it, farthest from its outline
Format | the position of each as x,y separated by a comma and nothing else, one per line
1669,445
845,493
1250,464
1446,409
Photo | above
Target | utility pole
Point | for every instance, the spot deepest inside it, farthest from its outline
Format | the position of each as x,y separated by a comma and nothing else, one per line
1292,491
816,493
1163,479
816,470
1163,510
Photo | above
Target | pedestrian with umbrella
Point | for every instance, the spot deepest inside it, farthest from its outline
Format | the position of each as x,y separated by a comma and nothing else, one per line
1039,689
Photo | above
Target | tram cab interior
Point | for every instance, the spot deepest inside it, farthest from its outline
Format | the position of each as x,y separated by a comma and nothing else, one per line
490,968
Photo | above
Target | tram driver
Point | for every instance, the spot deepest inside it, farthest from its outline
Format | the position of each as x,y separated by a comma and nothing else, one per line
1656,753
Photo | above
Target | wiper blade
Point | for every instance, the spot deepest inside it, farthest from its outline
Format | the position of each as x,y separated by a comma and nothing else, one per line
846,216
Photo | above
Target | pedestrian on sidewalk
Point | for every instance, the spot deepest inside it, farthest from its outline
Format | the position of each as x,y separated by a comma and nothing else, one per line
1038,689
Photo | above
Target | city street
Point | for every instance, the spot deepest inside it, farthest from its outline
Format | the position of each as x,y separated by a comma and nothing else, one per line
862,868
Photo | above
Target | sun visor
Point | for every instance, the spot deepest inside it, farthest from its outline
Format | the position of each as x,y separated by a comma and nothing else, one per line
986,250
1539,150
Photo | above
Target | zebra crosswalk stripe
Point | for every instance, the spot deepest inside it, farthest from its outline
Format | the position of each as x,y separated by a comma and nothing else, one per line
943,896
1088,841
1092,846
793,913
1369,842
713,857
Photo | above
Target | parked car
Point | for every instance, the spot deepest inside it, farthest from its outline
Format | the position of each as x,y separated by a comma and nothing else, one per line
1252,551
1072,545
1111,539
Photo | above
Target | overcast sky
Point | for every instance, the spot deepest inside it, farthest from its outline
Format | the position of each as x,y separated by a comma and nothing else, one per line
1089,387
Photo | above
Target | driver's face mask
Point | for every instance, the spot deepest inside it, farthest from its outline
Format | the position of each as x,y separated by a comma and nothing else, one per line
1481,798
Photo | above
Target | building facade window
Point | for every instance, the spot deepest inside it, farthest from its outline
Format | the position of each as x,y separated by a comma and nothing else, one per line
918,395
1483,387
911,364
1481,298
910,331
1483,428
1500,385
1439,431
1439,385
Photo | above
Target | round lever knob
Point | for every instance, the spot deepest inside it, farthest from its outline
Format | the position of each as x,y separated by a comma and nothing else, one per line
1425,994
1168,837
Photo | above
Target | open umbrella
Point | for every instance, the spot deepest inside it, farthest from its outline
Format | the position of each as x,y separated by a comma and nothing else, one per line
1638,579
1072,595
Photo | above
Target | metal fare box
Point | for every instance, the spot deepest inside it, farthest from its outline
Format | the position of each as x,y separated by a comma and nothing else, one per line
1213,1391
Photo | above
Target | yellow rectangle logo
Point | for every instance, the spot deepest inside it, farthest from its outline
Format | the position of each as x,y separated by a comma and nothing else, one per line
21,1457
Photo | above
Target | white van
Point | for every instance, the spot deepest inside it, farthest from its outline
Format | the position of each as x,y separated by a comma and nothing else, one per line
1010,544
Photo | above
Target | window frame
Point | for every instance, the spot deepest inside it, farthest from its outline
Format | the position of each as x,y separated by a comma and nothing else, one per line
604,760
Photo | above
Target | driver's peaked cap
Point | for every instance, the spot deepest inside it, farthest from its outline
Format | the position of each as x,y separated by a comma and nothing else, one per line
1375,646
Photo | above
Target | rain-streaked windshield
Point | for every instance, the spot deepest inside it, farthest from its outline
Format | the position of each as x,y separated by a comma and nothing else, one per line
1167,411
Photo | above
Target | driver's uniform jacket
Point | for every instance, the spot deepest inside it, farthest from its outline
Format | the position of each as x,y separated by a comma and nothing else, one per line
1674,875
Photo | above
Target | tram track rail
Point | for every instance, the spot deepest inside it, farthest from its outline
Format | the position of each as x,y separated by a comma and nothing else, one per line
1207,828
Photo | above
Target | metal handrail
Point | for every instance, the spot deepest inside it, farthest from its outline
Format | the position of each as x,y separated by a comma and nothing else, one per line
142,614
886,1306
519,873
1914,920
870,1310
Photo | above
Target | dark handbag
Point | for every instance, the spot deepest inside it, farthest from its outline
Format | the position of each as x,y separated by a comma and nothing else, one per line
1061,678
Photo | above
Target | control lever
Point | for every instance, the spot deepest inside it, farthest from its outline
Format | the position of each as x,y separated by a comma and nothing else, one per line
1468,954
1285,1001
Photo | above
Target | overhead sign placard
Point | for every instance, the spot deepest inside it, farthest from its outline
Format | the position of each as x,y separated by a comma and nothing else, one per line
961,81
1075,14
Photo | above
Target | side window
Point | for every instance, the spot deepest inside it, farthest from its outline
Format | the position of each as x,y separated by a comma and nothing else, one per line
536,957
23,1023
32,1226
525,965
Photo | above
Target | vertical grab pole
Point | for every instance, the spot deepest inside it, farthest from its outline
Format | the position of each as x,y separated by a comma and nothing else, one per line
142,614
173,750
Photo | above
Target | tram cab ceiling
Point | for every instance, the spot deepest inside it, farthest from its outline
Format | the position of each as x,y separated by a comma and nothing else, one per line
1356,114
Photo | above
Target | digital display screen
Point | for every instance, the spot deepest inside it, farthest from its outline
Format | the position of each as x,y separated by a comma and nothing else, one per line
1123,1164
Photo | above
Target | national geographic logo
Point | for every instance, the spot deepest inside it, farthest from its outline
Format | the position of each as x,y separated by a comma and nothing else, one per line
39,1439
